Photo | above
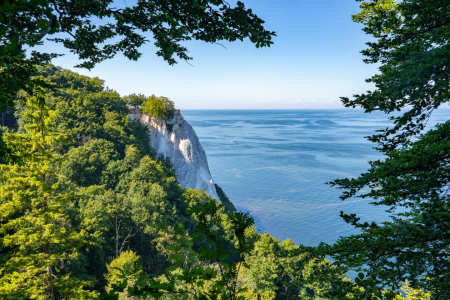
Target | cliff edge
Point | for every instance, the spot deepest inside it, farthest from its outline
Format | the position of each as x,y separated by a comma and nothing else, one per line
177,140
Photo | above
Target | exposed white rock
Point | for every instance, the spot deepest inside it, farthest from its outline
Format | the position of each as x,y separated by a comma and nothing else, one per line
183,148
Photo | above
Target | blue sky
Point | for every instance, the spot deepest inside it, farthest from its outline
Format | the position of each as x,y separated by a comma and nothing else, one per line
315,60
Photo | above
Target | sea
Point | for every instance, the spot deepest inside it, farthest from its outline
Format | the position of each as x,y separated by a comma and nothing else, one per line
275,164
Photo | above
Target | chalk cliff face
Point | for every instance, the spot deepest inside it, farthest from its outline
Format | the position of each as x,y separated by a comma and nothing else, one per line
183,148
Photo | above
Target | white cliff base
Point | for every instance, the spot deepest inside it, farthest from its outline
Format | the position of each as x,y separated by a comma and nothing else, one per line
183,148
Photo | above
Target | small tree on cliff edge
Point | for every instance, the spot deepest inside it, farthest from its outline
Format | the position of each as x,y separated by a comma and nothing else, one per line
161,107
134,100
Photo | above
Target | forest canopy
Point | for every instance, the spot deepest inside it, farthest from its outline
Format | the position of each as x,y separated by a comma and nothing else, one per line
161,107
87,210
129,227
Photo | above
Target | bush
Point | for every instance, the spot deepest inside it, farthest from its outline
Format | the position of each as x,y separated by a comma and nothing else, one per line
128,265
85,164
160,107
134,100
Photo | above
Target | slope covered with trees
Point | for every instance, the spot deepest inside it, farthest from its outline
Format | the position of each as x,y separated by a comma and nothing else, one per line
86,208
121,213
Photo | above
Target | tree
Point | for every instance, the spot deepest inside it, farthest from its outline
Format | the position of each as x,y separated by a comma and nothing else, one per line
134,100
161,107
204,275
413,294
412,46
26,23
229,206
85,164
127,263
35,232
88,111
276,269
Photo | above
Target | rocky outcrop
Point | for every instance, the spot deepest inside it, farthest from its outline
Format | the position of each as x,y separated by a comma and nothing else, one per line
177,140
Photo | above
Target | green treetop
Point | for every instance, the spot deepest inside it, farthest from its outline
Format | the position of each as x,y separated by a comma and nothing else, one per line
35,232
134,100
161,107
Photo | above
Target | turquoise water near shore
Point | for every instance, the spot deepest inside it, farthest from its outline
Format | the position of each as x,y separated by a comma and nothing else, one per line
274,164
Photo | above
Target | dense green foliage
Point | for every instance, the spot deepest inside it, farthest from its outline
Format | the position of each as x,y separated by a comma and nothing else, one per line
264,268
127,217
120,187
70,212
161,107
135,100
228,205
208,273
35,233
412,182
80,216
128,264
278,274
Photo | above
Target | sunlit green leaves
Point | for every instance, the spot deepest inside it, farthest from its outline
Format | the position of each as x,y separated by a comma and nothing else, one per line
161,107
35,231
205,274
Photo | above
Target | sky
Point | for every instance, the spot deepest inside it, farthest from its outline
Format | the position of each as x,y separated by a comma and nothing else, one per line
315,59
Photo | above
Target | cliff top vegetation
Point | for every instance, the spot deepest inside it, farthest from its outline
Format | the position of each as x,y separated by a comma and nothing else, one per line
160,107
134,100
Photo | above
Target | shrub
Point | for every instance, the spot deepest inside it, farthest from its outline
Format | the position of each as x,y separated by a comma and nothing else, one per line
134,100
128,265
160,107
85,164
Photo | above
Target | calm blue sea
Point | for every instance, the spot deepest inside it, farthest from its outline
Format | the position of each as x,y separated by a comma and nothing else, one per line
274,164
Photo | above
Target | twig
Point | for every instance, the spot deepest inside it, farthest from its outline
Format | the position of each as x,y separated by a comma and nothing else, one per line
129,235
60,20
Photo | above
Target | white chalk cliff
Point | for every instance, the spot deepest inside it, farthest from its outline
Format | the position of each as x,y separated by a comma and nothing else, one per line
183,148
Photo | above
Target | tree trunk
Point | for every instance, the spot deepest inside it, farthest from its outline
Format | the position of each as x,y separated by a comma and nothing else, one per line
50,292
117,239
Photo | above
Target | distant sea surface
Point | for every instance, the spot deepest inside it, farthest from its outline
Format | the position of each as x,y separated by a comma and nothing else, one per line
274,164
